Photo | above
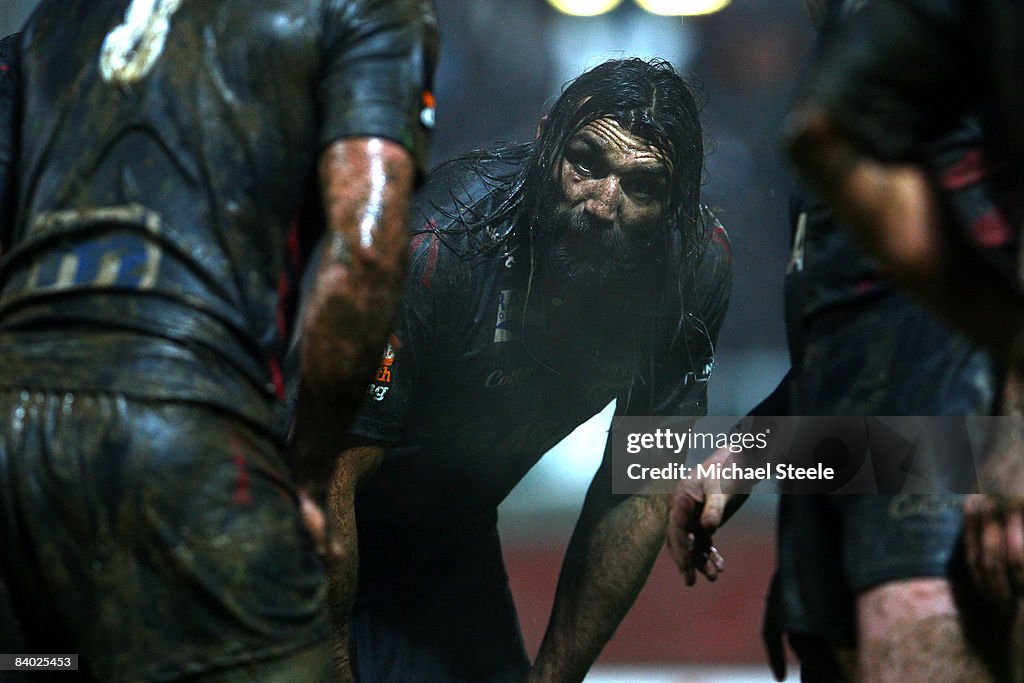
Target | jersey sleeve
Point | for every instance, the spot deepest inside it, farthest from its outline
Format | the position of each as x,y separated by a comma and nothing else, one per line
377,73
888,74
678,380
10,98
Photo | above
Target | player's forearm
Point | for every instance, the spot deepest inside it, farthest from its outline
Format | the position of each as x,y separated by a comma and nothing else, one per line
607,563
342,576
355,467
366,183
896,214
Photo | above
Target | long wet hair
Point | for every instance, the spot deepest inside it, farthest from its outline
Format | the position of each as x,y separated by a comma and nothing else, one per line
648,99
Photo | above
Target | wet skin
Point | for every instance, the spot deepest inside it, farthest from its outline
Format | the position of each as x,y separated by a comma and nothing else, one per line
616,177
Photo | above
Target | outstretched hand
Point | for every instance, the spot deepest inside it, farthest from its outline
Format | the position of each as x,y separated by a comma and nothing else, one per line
694,517
699,507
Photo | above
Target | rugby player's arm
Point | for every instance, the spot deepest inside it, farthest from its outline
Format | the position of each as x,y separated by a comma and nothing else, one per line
700,506
895,212
612,550
366,185
355,467
376,68
880,91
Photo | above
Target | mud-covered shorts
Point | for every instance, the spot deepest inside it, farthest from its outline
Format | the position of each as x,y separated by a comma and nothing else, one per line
154,539
882,357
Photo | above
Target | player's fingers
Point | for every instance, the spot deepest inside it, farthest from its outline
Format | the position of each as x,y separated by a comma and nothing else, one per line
993,557
776,657
714,508
712,563
689,568
717,559
1013,540
973,523
316,523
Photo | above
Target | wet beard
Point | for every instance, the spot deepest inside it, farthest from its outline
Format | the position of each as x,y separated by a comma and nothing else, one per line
597,269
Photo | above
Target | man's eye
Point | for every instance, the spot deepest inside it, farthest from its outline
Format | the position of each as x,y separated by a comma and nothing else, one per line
645,189
580,162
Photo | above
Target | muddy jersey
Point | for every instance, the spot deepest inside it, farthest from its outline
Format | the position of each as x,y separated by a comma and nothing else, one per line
167,175
483,373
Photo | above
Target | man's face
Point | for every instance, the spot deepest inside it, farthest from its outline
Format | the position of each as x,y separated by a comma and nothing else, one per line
614,195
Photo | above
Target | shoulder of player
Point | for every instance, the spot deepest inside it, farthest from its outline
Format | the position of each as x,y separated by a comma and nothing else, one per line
402,20
457,200
9,51
465,189
405,10
714,241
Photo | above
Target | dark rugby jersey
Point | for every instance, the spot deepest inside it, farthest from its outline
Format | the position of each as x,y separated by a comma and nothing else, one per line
167,182
479,379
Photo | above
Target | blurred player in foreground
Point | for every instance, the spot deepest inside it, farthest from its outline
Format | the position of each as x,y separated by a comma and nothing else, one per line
170,156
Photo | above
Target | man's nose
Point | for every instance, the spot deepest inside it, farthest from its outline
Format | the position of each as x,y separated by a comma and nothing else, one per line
603,196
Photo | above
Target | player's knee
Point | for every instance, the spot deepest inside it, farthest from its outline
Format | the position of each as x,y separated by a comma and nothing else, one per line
893,604
910,631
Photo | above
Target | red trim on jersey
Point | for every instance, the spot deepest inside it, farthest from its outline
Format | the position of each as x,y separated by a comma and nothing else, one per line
243,483
285,289
970,170
433,250
277,377
865,286
721,237
294,248
991,229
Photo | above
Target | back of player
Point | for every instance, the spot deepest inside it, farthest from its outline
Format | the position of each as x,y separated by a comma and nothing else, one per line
167,168
165,155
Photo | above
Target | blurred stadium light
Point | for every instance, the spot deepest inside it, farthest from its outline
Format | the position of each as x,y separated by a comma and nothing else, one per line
584,8
682,7
590,8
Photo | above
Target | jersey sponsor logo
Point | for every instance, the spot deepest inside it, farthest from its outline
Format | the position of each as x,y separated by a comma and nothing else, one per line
510,315
428,112
117,259
132,48
511,378
378,389
377,392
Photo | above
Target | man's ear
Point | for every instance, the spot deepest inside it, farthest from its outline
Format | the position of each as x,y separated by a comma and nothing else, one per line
540,126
